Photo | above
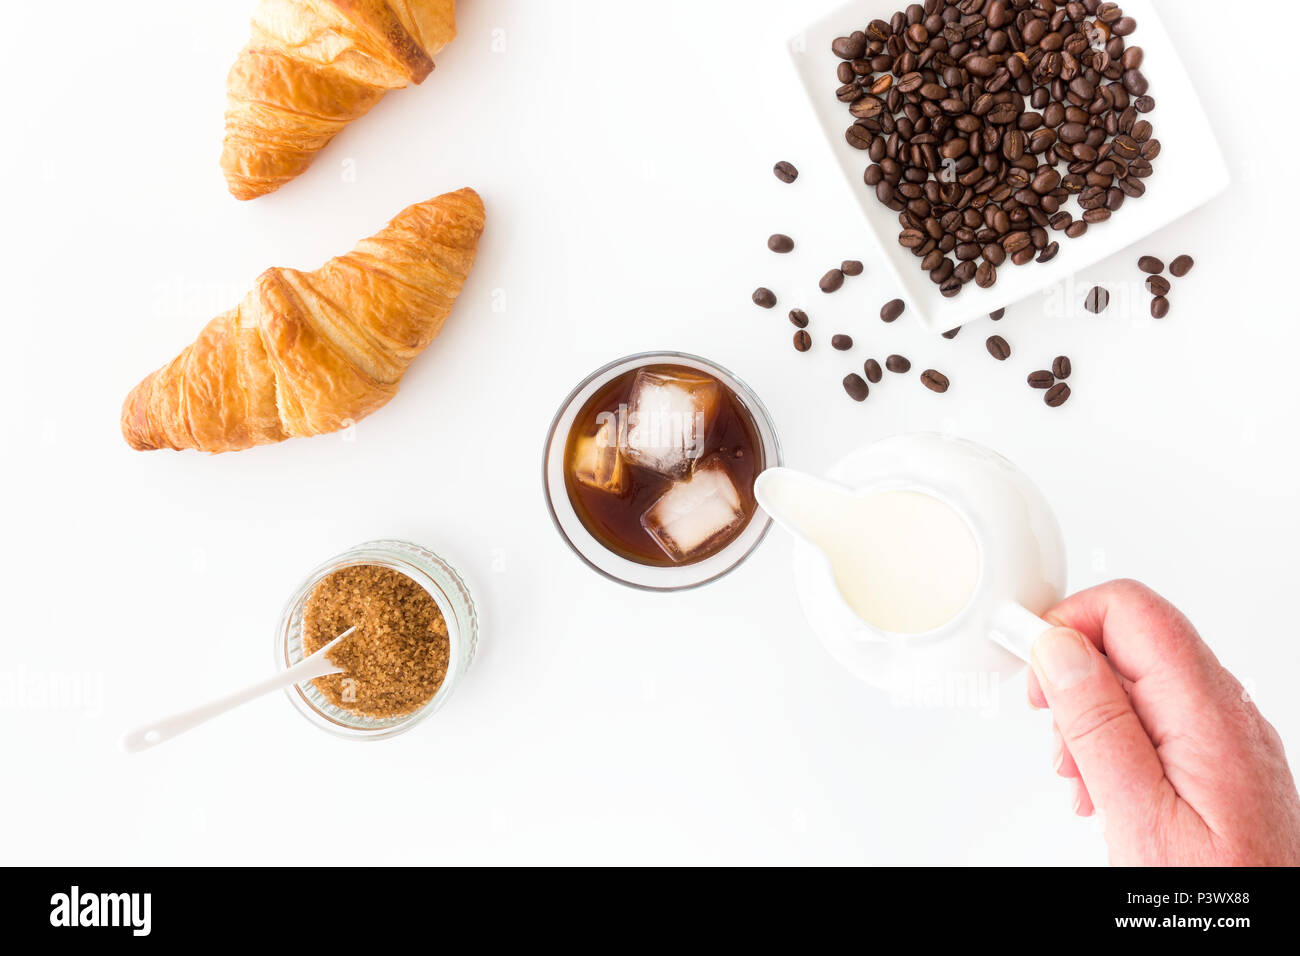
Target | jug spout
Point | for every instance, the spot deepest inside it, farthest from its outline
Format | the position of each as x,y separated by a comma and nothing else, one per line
801,504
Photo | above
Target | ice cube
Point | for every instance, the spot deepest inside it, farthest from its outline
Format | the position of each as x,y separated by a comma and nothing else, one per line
596,461
697,512
669,417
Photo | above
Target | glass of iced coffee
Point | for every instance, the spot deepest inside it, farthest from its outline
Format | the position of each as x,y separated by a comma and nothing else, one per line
650,467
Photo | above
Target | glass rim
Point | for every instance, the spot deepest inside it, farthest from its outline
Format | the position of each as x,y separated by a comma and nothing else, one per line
756,407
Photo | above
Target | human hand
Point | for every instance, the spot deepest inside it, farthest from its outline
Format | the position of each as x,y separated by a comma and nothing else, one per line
1158,736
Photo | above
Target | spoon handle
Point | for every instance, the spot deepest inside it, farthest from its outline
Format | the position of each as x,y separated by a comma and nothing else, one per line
152,734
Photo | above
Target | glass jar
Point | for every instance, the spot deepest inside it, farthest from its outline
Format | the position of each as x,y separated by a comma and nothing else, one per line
586,546
438,578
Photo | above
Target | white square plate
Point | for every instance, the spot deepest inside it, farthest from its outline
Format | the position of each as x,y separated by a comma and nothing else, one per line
1189,172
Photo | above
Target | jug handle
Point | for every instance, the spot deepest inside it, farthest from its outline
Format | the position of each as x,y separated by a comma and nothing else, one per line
1015,629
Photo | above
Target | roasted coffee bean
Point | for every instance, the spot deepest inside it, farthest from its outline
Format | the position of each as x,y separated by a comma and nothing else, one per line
986,275
997,316
857,387
858,137
898,364
850,47
831,281
952,333
1151,264
785,172
1159,307
891,310
867,107
764,298
841,343
934,381
998,347
911,238
780,243
1076,229
1061,367
873,371
1049,252
851,267
1158,285
802,341
1181,266
799,318
1057,395
1041,379
1097,300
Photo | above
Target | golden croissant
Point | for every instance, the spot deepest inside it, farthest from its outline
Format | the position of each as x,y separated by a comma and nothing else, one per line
311,352
313,66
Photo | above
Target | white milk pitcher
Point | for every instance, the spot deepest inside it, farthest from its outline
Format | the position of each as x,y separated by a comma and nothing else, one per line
921,556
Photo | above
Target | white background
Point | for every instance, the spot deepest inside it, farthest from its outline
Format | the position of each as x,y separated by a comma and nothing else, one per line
624,153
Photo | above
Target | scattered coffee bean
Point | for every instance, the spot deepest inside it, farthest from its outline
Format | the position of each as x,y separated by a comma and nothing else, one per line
857,388
1061,367
997,316
841,343
952,333
1097,300
1181,266
1057,395
785,172
832,281
851,267
764,298
1041,379
1159,307
1049,252
802,341
1158,285
799,318
873,371
898,364
934,381
998,347
780,243
891,310
1151,264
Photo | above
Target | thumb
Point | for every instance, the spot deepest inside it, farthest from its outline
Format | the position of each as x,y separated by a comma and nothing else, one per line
1115,756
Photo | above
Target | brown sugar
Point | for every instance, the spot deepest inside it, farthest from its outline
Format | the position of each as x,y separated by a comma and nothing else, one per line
396,659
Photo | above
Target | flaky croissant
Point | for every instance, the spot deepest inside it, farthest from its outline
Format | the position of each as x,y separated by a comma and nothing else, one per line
312,352
313,66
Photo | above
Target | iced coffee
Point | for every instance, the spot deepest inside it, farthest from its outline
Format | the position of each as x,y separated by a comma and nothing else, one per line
660,465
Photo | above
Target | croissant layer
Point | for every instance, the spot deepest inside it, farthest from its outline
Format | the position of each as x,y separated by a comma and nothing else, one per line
313,66
306,353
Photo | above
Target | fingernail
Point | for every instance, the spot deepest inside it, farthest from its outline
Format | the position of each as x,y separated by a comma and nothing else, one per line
1061,658
1058,757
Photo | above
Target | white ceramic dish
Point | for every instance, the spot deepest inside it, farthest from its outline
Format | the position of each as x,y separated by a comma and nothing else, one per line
1189,172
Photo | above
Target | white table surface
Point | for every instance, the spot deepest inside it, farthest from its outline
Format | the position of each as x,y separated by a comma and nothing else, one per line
624,155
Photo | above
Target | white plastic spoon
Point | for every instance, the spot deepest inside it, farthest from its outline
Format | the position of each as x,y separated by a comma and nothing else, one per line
150,735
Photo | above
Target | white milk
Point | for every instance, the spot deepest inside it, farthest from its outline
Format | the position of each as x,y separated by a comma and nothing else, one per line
905,561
